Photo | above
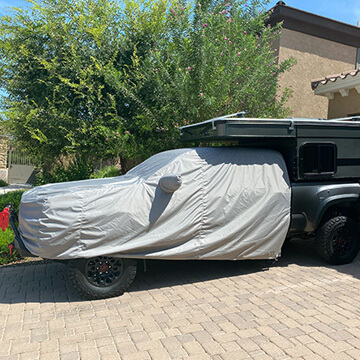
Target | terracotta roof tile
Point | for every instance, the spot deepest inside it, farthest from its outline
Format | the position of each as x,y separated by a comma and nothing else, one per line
315,82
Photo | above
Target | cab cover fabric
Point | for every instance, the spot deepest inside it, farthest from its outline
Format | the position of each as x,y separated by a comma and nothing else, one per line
222,203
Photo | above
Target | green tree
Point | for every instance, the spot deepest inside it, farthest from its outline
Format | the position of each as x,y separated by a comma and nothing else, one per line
213,58
54,60
97,79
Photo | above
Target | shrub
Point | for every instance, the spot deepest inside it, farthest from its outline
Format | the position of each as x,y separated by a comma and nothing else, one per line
12,197
3,183
7,236
101,79
75,170
108,171
209,58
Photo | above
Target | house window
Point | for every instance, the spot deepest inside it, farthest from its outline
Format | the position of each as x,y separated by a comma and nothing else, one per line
317,160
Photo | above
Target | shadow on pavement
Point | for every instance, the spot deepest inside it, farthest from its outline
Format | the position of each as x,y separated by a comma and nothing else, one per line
302,252
38,281
45,281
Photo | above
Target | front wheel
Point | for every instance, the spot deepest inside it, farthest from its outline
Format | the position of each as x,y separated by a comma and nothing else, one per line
102,276
337,240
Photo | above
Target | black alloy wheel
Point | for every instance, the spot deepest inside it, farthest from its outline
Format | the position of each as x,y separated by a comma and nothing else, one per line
103,271
102,277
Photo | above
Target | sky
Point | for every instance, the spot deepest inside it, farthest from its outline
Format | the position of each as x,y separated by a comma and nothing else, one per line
347,11
8,3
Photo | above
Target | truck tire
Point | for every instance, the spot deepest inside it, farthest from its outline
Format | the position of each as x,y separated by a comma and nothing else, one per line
337,240
102,277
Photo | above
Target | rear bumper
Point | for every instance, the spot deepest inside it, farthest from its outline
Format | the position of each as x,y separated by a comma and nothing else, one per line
18,242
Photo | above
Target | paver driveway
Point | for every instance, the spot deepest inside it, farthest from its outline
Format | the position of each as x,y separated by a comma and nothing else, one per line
299,308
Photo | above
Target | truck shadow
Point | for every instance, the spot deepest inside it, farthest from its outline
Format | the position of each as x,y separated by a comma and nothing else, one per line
46,281
302,253
162,273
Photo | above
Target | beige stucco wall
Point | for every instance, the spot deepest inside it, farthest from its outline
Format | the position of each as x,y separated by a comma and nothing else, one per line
341,106
316,58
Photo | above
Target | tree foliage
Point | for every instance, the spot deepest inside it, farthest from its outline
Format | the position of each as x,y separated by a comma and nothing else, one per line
96,79
212,58
53,58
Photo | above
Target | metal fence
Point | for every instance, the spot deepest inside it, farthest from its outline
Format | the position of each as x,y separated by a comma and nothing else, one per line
16,157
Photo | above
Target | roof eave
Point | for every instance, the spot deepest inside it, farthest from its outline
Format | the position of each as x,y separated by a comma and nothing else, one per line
315,25
338,85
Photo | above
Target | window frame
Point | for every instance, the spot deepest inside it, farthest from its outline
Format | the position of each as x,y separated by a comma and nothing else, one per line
312,175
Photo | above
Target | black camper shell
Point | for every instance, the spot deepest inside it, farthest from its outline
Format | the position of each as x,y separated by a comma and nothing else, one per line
314,149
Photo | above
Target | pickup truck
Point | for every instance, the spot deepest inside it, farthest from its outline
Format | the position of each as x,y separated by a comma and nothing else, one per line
279,179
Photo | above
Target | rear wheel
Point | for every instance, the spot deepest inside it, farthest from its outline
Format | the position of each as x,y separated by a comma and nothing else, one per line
337,241
102,276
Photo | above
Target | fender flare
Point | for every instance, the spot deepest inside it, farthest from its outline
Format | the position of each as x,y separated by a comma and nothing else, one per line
334,200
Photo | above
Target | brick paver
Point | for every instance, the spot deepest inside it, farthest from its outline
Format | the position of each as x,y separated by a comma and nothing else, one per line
298,308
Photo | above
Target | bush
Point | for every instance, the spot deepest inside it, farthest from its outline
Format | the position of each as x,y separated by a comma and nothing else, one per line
205,59
11,197
3,183
75,170
7,236
99,79
108,171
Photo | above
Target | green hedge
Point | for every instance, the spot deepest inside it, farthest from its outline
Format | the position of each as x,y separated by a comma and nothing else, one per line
11,197
108,171
7,236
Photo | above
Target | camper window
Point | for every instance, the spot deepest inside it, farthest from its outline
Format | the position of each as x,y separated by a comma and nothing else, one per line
317,159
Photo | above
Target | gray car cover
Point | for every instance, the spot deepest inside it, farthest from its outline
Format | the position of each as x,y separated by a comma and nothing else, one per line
199,203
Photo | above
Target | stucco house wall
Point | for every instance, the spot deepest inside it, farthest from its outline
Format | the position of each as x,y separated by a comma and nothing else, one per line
342,92
341,106
316,57
321,46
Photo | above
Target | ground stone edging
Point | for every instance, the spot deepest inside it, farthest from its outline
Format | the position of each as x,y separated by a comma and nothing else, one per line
14,187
